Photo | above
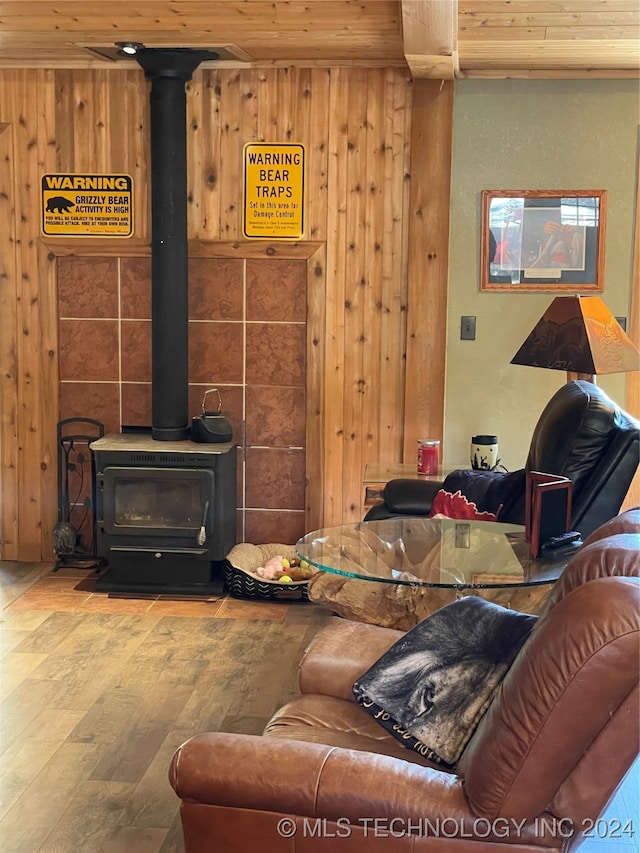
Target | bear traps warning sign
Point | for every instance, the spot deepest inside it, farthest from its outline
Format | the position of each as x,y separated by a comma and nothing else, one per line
87,205
273,191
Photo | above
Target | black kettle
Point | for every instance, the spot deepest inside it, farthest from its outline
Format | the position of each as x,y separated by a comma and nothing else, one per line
211,427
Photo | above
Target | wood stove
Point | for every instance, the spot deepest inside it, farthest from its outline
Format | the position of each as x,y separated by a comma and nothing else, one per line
166,513
166,506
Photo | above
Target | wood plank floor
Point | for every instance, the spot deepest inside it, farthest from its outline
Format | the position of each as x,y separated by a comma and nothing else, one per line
98,692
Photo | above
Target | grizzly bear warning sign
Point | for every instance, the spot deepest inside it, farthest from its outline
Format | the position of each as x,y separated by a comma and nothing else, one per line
87,205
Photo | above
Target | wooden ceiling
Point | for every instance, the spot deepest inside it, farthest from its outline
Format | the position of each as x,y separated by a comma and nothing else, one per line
435,38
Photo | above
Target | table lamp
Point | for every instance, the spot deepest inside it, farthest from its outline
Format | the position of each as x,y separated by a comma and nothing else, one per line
580,335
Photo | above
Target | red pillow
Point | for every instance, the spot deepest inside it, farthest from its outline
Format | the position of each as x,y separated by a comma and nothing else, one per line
455,505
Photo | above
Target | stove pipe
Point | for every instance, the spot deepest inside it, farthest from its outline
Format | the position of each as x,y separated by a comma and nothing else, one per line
169,70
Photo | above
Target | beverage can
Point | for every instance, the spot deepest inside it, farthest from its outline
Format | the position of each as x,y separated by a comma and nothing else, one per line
428,455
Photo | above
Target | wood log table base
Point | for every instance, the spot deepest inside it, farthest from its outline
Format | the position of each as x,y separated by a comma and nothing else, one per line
400,606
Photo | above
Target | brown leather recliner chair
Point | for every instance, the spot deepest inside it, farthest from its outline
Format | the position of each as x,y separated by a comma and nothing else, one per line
553,746
581,434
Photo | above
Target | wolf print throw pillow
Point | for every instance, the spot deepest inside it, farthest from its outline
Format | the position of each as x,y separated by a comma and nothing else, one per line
431,688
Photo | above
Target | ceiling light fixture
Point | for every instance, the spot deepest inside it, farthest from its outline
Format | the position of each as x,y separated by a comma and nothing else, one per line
129,48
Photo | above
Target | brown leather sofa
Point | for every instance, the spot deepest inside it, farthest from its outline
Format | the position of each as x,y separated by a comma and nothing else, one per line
554,745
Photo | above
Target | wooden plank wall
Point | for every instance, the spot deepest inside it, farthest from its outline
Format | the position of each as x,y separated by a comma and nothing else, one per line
356,126
428,264
8,344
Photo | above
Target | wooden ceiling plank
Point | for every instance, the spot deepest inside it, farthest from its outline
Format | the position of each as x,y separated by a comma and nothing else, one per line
193,35
295,15
533,16
536,73
71,62
599,33
487,7
430,35
501,33
619,54
496,37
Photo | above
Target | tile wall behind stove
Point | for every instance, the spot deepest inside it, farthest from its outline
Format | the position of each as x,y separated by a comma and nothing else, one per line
247,337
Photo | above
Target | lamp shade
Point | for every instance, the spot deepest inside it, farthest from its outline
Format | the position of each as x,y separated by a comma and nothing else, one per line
579,334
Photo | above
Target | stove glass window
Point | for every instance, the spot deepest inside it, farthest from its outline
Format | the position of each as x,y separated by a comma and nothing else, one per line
158,502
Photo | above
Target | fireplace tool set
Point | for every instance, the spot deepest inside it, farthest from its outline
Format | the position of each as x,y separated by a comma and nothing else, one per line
74,535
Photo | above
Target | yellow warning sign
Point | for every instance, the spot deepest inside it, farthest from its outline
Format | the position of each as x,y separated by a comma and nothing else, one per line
87,205
273,191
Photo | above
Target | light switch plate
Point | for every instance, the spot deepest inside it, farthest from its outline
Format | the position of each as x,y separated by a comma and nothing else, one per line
467,328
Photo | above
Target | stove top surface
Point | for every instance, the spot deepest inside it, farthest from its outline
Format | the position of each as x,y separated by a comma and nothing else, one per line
142,443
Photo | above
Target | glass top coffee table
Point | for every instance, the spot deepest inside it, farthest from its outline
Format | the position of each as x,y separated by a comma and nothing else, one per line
419,564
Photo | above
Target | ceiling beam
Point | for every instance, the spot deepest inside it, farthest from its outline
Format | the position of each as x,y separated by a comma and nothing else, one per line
430,38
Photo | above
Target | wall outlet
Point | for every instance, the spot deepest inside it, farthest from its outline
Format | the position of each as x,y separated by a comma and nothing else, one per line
623,322
467,328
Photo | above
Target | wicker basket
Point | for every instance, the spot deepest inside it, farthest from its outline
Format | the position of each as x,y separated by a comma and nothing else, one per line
242,582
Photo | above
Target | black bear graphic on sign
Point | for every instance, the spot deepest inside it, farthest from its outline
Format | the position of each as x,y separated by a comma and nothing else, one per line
59,204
